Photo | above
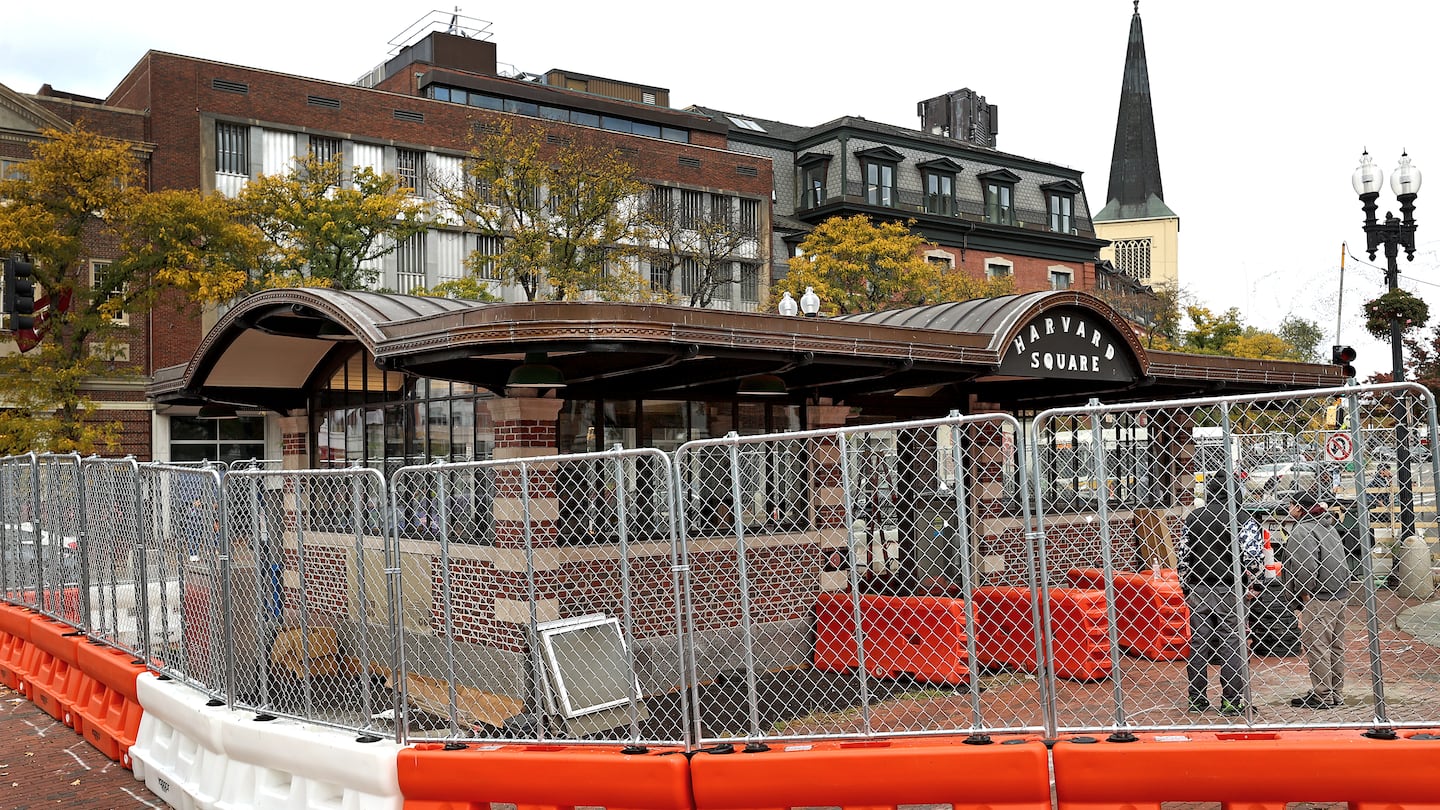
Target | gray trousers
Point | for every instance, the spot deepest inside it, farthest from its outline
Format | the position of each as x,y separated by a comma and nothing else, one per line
1216,636
1322,635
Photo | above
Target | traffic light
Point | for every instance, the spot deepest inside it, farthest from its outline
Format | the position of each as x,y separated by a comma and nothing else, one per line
1344,356
20,294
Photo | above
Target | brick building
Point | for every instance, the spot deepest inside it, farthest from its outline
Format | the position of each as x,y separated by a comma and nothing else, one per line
210,126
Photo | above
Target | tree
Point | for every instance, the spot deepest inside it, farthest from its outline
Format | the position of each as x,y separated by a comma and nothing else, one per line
702,241
82,190
1211,333
856,265
566,212
1304,335
322,232
1156,309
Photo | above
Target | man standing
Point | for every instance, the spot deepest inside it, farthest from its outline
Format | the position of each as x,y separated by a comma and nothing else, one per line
1208,568
1317,576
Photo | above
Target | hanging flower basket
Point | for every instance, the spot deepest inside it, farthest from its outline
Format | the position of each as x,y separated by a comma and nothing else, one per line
1411,311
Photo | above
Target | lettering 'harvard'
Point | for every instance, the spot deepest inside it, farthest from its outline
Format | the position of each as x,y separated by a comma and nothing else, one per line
1069,359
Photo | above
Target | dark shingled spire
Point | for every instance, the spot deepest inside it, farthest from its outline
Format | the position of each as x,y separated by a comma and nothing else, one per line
1135,189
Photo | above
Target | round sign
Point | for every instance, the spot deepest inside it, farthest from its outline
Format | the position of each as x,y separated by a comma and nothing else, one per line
1339,447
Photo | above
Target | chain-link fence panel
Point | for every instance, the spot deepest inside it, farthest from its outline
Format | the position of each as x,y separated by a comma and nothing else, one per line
186,567
538,599
1239,551
861,581
312,631
111,555
55,544
251,464
18,509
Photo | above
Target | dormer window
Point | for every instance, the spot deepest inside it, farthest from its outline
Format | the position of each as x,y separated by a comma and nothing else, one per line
814,166
939,179
1060,203
878,166
999,188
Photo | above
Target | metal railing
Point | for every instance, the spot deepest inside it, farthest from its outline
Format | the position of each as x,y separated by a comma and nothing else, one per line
966,575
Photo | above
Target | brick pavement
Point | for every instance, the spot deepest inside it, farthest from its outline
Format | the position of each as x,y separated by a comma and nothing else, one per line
43,763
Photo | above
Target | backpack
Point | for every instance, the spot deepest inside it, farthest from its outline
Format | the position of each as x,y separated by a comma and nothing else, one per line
1209,556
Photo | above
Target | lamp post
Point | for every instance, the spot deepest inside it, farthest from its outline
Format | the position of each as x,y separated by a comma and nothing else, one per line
1393,233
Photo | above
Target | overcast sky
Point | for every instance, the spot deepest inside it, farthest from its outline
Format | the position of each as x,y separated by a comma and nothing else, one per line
1261,108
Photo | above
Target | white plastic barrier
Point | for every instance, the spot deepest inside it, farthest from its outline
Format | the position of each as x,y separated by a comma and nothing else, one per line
288,765
177,753
199,757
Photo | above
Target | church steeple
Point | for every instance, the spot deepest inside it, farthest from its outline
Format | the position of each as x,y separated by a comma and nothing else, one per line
1135,191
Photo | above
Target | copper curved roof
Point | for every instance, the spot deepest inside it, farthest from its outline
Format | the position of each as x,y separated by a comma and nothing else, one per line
274,349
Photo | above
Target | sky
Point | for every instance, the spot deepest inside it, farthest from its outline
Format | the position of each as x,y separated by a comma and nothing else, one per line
1261,108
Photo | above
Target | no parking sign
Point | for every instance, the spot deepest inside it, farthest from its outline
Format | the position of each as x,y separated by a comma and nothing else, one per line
1339,447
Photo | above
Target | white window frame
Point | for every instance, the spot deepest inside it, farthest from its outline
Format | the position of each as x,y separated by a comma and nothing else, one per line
936,256
992,262
96,266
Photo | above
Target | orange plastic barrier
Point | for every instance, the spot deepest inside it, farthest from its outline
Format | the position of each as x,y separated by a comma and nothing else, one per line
1005,631
543,776
920,635
1013,775
1151,619
65,604
53,682
14,644
1258,770
107,710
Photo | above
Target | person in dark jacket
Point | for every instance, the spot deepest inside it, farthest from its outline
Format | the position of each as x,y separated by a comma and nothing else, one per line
1316,575
1208,568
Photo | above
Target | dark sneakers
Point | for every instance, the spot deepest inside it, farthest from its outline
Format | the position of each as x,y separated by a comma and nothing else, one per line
1198,705
1310,700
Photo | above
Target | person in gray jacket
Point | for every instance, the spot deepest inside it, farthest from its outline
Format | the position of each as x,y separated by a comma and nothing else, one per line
1316,575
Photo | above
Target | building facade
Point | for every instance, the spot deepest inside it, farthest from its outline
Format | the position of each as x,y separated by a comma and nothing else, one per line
984,212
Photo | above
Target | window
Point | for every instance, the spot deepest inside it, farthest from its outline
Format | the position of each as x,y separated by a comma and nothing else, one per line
940,259
880,184
410,264
324,149
999,268
1132,258
410,168
999,188
194,439
692,208
1060,205
689,276
1061,208
749,217
112,291
720,209
878,167
232,149
938,176
749,286
12,169
660,275
998,208
487,248
813,169
1060,278
939,193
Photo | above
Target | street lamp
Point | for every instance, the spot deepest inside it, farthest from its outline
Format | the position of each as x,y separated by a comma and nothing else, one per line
1393,234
